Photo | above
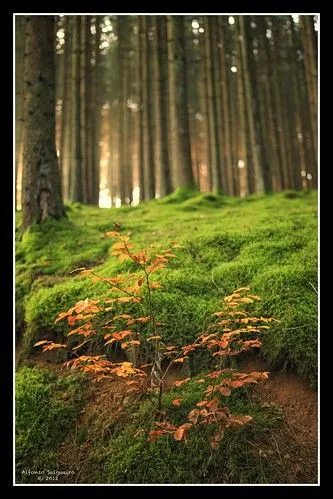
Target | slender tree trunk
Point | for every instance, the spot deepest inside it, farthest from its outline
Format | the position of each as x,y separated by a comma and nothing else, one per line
83,109
225,109
163,96
150,187
41,178
19,103
65,146
204,107
142,109
180,131
307,31
76,176
213,125
242,150
96,117
123,115
260,163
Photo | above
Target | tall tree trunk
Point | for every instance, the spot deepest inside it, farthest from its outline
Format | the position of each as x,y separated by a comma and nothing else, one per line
142,122
41,178
180,131
88,111
213,125
260,163
242,149
204,108
65,145
163,98
96,113
19,103
307,30
225,109
150,188
83,109
123,114
76,174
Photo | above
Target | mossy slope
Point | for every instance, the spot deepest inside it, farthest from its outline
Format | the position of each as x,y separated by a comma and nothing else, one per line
266,242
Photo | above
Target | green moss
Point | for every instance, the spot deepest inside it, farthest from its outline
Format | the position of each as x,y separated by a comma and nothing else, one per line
46,407
181,194
57,246
44,305
240,243
290,298
165,461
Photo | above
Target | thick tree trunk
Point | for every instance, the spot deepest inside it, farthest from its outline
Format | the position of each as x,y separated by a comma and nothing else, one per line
41,179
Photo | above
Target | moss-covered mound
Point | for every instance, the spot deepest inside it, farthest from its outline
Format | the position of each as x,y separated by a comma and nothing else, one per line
266,242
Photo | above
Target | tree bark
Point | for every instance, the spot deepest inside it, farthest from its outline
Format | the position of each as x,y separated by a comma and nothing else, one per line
163,98
179,117
41,178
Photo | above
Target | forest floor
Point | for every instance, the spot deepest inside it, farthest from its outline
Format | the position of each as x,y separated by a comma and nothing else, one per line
296,441
292,447
268,243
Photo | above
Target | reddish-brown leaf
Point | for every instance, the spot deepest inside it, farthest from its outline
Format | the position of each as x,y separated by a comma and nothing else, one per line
42,342
193,416
225,390
179,433
180,359
177,402
202,403
112,233
181,382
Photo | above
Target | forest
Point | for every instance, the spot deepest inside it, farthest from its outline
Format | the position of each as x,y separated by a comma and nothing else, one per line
166,289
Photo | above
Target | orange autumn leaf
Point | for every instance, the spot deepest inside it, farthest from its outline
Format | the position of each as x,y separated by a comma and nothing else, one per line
42,342
180,359
154,434
181,382
177,402
143,320
179,433
123,257
240,420
61,316
224,390
202,403
112,233
155,285
128,299
53,346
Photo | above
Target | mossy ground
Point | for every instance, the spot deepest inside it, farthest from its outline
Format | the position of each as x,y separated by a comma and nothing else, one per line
268,243
46,407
